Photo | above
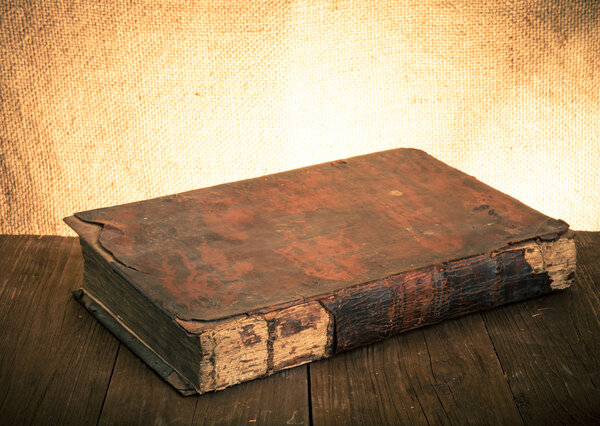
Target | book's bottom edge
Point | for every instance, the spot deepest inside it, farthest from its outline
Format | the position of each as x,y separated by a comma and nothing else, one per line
134,344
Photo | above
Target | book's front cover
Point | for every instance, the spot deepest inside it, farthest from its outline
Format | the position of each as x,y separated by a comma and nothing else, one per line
250,245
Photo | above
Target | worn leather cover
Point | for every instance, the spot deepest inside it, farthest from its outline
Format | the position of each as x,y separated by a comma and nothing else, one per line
258,244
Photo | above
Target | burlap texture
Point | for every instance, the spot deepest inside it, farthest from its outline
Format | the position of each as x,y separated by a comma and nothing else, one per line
110,102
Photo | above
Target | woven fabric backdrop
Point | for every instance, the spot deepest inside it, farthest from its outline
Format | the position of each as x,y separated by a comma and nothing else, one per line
110,102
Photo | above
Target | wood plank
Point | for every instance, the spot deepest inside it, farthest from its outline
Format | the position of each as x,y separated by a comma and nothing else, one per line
138,396
444,374
55,359
549,347
279,399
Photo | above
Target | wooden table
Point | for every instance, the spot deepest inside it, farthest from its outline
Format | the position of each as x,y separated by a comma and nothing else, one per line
535,362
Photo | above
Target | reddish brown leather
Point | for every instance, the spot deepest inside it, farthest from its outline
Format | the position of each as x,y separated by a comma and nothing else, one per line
255,244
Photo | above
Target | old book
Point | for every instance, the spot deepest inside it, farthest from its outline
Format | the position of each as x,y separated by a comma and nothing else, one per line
230,283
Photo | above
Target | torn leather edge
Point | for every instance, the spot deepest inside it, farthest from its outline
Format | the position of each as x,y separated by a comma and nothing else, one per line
89,234
541,261
135,344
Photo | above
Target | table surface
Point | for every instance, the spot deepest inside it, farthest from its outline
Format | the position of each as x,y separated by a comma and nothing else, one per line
534,362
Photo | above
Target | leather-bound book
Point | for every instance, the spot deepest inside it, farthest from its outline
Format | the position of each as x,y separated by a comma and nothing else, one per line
234,282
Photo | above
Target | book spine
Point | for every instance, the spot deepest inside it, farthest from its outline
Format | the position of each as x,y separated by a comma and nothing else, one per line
262,343
426,296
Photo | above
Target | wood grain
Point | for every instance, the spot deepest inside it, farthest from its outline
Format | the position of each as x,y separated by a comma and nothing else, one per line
444,374
276,400
138,397
549,347
55,359
56,362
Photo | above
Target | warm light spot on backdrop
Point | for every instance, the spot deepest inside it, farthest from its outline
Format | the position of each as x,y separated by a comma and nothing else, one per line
105,102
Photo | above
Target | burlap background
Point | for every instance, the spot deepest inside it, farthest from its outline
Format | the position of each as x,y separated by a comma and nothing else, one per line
107,102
